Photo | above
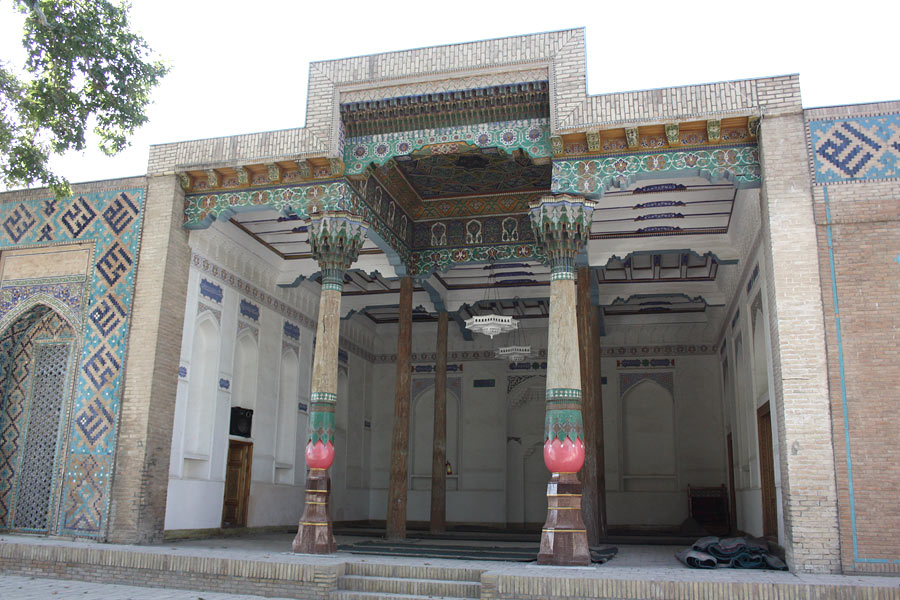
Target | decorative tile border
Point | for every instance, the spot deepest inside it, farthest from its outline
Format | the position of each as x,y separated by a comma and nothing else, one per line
112,222
423,262
200,210
594,176
223,275
618,351
529,135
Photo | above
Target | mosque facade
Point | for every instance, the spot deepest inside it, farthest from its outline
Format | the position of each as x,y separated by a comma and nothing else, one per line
270,330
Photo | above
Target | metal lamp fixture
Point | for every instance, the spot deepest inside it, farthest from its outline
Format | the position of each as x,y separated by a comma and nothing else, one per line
493,324
517,350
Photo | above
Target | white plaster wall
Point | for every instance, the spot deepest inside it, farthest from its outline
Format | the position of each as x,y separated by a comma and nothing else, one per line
195,495
699,459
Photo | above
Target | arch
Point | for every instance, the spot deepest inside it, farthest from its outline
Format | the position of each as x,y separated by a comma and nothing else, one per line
246,370
422,431
38,350
648,427
288,396
760,351
41,300
201,400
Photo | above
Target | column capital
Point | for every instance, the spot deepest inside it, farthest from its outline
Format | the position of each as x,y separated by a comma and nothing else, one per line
562,226
335,238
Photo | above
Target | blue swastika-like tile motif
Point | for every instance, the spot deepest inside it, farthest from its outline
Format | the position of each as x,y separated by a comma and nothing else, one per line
855,149
111,221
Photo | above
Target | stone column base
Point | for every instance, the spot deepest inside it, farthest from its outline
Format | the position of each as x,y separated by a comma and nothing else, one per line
315,535
564,538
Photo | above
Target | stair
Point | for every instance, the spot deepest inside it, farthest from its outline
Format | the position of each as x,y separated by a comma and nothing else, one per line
367,581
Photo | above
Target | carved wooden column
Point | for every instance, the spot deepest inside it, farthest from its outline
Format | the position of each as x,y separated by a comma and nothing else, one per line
335,239
439,451
562,225
590,505
396,510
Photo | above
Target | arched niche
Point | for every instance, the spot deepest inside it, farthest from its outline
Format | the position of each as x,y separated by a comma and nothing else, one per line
760,351
201,400
286,425
526,474
422,435
648,431
246,370
37,357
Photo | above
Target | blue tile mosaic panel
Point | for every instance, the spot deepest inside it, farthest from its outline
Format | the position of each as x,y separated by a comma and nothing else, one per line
112,222
855,149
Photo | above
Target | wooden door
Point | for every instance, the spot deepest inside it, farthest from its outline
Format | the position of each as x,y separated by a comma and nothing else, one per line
767,471
237,484
732,493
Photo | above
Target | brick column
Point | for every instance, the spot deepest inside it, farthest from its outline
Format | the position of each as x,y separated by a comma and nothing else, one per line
562,225
396,510
335,239
138,500
801,401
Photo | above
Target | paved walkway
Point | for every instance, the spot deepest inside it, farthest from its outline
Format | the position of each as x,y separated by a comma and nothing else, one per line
14,587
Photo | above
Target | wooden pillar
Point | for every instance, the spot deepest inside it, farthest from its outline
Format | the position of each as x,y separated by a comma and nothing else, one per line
396,509
562,226
598,444
335,240
590,505
439,451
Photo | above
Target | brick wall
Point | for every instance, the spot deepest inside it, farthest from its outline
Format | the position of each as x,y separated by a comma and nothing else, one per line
857,209
801,404
142,462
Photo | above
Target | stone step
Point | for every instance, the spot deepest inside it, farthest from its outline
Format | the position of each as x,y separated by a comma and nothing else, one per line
348,595
412,571
410,586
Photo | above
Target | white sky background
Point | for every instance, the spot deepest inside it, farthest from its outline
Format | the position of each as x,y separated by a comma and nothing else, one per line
240,67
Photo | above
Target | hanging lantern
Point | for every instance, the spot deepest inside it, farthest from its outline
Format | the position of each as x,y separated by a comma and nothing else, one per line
516,350
493,324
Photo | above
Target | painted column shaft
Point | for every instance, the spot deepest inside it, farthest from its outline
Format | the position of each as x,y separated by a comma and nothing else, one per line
562,225
335,239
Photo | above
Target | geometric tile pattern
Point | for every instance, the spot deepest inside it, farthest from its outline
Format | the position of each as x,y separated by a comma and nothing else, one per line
112,222
32,398
593,176
36,467
856,148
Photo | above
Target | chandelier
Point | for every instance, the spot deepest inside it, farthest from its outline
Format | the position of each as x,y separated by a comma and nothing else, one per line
517,348
492,324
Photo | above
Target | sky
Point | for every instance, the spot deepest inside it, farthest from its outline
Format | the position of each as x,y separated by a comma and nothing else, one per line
241,67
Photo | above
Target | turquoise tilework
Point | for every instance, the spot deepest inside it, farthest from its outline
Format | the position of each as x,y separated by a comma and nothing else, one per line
112,222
